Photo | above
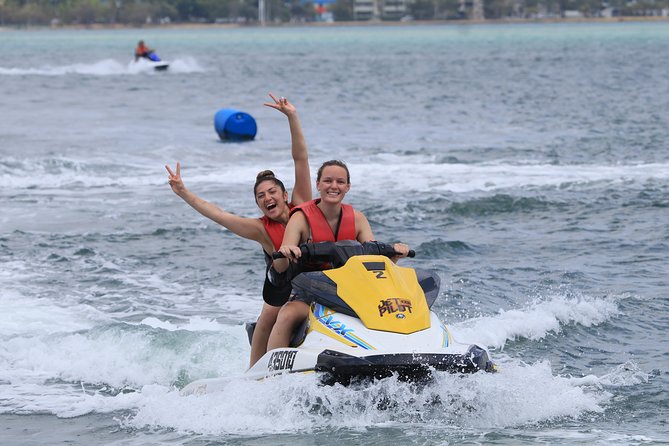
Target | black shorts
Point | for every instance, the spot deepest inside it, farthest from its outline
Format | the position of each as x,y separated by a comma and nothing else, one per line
274,295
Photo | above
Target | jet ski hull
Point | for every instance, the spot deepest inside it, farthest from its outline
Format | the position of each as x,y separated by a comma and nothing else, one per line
144,64
334,367
337,367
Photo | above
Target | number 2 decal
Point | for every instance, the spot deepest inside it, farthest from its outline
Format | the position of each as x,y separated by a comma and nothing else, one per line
380,274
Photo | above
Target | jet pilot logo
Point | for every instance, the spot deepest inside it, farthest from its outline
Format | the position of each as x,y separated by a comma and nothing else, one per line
394,305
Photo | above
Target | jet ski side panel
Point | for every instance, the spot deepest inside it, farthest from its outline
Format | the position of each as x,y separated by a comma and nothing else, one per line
283,360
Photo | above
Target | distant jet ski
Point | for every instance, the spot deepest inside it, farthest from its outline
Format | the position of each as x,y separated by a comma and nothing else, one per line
370,319
158,64
152,60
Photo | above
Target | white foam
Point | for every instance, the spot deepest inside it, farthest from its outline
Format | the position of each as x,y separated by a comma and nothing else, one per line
119,357
27,316
535,321
414,176
64,400
146,357
628,439
461,178
518,395
105,67
624,375
193,324
54,174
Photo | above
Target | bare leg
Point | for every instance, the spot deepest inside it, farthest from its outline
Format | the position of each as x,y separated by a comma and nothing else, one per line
261,333
290,317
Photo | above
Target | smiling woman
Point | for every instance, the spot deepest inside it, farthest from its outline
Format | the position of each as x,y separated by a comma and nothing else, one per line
272,199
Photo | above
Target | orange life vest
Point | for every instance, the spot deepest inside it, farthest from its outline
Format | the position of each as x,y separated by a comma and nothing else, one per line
320,229
275,229
141,50
274,296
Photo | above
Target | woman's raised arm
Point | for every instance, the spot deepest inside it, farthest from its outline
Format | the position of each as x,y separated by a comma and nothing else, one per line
302,189
249,228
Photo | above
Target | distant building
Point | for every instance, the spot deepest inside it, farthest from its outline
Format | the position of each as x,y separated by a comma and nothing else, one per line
394,9
400,9
365,10
471,9
380,9
572,14
610,11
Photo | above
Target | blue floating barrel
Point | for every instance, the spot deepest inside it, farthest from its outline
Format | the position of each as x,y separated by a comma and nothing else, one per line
234,125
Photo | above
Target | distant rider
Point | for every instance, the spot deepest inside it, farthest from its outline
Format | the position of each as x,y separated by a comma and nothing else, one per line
142,51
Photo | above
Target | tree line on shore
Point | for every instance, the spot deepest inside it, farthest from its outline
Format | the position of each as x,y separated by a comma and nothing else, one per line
142,12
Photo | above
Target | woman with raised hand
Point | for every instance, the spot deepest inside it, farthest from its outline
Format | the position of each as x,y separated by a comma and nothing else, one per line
323,219
272,199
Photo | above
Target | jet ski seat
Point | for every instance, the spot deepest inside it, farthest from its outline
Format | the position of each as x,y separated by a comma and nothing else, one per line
295,341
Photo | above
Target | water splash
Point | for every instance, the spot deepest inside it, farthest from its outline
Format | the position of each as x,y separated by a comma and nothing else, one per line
536,320
105,67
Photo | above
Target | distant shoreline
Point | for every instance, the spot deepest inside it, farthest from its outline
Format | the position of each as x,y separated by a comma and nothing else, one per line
380,23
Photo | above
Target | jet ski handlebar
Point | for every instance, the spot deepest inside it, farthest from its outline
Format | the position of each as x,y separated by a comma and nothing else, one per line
339,252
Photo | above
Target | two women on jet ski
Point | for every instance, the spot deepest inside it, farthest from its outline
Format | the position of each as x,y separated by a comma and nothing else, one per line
324,219
272,199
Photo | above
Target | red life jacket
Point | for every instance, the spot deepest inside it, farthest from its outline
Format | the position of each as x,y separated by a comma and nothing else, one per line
320,229
274,229
274,296
141,50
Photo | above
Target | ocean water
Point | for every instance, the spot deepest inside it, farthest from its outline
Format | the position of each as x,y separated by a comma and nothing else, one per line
528,164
